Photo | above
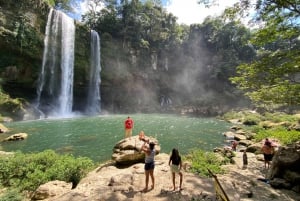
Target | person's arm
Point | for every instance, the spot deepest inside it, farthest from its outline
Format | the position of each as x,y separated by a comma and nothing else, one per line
145,149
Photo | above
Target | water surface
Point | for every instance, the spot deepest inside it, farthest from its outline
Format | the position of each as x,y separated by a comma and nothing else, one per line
95,137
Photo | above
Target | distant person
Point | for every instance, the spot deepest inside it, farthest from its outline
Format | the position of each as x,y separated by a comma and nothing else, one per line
175,164
245,159
128,125
142,137
149,164
268,151
234,144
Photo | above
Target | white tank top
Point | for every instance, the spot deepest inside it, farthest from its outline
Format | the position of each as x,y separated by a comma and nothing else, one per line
150,158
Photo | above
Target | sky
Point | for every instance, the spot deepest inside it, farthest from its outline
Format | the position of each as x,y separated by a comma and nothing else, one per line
190,12
187,11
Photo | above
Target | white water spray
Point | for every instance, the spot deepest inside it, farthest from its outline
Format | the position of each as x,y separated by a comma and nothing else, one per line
94,98
55,85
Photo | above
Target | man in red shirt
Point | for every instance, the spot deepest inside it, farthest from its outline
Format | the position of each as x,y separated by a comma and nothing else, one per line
128,124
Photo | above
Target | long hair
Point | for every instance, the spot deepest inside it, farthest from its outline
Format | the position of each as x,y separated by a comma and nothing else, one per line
175,154
151,145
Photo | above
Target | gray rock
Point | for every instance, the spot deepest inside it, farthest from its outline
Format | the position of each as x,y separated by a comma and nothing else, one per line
128,151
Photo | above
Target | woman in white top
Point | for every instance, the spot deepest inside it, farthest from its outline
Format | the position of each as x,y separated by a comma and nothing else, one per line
149,164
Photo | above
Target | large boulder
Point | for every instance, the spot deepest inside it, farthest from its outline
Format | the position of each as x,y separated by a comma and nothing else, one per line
255,148
285,167
128,151
51,189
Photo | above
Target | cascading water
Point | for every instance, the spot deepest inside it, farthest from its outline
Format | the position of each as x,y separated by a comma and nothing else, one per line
55,84
94,98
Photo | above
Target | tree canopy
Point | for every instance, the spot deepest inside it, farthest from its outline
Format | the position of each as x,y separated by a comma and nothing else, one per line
273,79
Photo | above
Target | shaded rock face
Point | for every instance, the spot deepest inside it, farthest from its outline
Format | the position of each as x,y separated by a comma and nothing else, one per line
128,151
285,171
22,33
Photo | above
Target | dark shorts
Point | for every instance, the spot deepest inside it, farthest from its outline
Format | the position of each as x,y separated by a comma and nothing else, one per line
149,166
268,157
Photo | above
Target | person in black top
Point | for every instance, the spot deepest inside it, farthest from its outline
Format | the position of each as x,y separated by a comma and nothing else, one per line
175,165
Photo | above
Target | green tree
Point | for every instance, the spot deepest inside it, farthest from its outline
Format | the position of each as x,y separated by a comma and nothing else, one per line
272,80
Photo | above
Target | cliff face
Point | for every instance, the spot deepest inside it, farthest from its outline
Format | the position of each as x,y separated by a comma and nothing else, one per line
132,80
22,27
22,33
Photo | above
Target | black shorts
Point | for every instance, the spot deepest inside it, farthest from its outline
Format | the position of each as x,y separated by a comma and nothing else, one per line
268,157
149,166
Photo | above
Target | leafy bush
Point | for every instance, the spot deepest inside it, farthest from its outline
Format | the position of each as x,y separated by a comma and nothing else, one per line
233,115
247,117
281,117
251,120
28,171
283,135
11,195
201,161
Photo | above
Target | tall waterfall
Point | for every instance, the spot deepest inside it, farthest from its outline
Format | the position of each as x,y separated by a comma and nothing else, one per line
94,98
55,84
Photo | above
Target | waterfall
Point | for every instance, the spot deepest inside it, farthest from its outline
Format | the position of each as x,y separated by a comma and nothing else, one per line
55,84
94,98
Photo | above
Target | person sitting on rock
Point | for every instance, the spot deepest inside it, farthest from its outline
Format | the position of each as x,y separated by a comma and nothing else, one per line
142,137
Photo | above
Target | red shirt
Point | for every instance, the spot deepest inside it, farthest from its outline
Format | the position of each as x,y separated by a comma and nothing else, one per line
129,124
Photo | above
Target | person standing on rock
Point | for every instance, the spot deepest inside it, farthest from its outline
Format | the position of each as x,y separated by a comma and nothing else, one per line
149,164
234,144
245,159
128,125
268,151
176,166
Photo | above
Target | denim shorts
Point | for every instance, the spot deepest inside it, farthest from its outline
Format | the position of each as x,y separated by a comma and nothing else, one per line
149,166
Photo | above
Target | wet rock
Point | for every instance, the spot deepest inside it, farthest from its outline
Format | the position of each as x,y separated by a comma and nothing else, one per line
16,137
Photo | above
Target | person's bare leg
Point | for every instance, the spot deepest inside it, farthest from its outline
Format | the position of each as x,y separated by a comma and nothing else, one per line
152,178
173,180
147,180
180,184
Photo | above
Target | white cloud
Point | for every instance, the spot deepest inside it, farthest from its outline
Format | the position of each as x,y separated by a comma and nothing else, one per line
84,6
189,11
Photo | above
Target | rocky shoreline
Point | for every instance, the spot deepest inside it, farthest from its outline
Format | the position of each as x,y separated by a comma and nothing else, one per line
108,182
